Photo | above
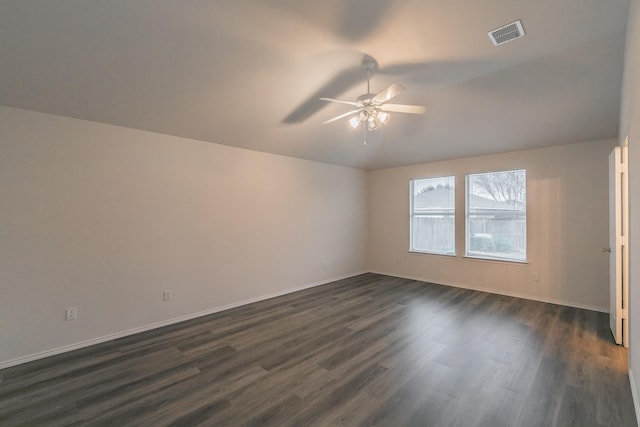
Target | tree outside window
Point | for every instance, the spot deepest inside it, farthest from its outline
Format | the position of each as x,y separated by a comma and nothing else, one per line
496,215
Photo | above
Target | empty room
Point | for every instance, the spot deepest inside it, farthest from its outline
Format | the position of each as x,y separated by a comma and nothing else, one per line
340,213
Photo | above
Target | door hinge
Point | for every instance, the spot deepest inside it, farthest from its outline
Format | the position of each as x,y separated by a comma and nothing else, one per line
623,167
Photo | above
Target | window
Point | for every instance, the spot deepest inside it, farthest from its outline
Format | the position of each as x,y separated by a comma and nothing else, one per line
497,215
433,215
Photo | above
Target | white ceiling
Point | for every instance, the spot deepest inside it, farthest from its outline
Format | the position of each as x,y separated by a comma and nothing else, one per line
247,73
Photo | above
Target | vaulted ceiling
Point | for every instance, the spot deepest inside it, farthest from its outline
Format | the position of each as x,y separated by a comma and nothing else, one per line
248,73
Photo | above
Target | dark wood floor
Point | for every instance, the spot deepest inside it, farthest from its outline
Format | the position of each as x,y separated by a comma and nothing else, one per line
370,350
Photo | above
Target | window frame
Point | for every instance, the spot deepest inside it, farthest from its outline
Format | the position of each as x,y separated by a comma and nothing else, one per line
412,216
483,256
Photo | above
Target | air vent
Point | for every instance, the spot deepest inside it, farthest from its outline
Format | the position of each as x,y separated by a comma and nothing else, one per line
506,33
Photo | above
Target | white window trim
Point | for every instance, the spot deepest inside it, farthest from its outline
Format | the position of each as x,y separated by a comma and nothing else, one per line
467,235
412,216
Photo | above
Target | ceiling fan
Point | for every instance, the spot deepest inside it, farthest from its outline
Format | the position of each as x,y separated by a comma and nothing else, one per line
373,108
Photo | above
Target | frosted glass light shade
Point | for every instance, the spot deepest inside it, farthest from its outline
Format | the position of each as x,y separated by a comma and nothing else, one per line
383,117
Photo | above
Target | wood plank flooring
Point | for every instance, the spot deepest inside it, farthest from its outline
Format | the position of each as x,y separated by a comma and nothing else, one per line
371,350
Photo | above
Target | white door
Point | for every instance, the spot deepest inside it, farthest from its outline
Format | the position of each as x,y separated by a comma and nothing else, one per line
615,249
625,242
618,247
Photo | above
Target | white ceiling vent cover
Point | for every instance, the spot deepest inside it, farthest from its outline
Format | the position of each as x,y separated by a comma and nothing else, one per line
506,33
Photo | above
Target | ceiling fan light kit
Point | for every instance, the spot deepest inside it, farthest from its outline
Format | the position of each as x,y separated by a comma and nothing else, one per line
373,109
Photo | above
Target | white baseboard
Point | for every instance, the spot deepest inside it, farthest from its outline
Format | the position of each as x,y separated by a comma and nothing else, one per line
505,293
144,328
634,394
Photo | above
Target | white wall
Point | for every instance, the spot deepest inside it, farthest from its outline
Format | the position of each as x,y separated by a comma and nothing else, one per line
103,218
567,226
630,125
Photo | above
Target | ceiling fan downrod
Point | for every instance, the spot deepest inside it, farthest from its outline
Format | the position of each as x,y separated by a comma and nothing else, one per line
369,66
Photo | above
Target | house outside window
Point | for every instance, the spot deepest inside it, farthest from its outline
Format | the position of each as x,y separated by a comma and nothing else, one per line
432,224
496,215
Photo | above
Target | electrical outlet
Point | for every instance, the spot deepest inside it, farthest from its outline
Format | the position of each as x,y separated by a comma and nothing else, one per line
324,264
535,277
71,313
167,295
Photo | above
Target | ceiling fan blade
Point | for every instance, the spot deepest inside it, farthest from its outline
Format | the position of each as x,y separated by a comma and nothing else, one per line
341,116
343,81
388,93
400,108
341,101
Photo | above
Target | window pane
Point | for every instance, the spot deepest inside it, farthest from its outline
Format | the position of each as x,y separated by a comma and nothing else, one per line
497,215
433,215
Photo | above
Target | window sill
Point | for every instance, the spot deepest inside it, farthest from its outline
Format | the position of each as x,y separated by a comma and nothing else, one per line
494,260
432,253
